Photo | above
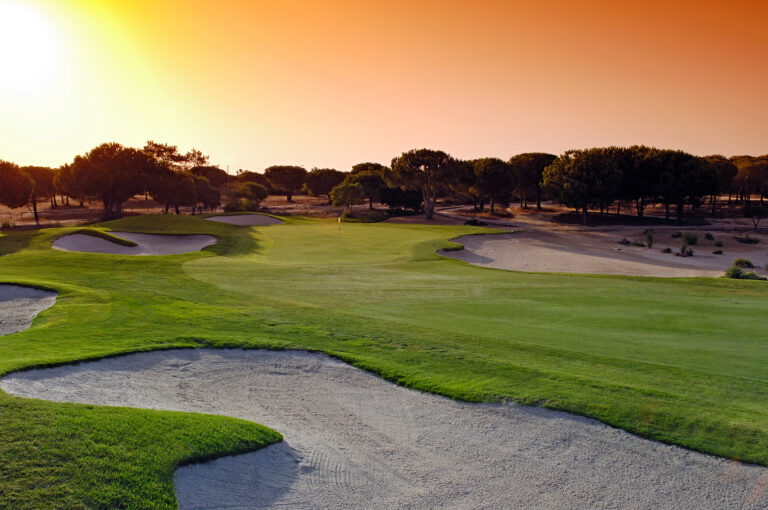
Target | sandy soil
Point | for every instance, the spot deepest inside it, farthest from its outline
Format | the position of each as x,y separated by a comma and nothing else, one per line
20,305
246,220
353,440
148,244
599,252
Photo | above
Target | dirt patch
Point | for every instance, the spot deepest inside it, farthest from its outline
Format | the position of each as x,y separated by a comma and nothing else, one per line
601,252
20,305
247,220
147,244
353,440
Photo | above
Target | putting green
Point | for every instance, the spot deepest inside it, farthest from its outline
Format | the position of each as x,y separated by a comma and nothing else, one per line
681,360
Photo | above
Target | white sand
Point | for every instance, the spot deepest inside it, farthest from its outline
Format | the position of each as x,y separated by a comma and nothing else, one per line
20,305
148,244
247,220
599,252
353,440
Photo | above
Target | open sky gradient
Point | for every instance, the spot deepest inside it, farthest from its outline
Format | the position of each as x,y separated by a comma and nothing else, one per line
333,83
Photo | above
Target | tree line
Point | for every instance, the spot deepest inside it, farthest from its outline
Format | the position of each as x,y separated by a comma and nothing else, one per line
585,180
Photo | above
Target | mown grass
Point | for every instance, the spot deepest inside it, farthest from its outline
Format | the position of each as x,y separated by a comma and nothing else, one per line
680,360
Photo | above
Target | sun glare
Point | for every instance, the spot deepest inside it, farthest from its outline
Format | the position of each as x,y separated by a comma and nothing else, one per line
29,49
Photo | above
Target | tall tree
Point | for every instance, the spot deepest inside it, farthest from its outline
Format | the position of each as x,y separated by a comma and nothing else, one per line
16,186
429,171
529,168
683,178
113,173
369,167
371,181
216,176
320,181
207,196
288,179
495,180
723,172
44,185
347,194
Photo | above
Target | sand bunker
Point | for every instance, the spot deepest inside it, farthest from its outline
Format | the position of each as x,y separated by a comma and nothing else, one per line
20,305
599,252
247,220
148,244
353,440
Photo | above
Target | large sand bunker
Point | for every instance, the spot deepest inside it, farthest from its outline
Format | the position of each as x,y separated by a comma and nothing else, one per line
353,440
20,305
147,244
599,252
247,220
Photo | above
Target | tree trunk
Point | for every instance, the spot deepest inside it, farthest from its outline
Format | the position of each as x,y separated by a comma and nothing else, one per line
666,205
370,203
538,197
289,196
714,204
584,218
618,208
34,208
679,210
176,208
492,213
429,205
53,199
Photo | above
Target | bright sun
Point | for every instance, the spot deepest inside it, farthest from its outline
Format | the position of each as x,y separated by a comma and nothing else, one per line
29,50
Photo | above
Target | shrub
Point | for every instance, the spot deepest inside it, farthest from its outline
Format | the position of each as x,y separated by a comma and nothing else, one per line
639,244
685,251
648,238
718,252
475,222
366,216
743,263
747,240
625,242
739,274
709,237
240,205
677,234
666,250
690,238
719,244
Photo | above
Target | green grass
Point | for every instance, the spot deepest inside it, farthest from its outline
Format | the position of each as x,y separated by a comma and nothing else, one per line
103,234
680,360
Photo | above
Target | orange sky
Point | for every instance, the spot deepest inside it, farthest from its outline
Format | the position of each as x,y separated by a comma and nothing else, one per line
333,83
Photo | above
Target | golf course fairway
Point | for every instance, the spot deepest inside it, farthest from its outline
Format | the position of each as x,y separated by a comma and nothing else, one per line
683,361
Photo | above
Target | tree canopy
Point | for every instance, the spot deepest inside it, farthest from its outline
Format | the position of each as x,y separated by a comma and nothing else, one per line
426,170
286,178
320,181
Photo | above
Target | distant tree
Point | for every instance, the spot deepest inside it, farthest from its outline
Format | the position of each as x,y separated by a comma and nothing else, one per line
249,176
207,196
582,179
495,180
529,168
723,172
288,179
167,154
682,178
216,176
369,167
73,184
755,212
347,194
639,176
16,186
429,171
44,186
195,158
371,181
320,181
398,198
113,173
253,193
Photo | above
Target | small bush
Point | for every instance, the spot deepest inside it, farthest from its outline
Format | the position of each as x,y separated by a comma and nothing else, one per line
240,205
718,252
6,224
709,237
666,250
747,240
475,223
625,242
366,216
719,244
685,251
739,274
690,239
743,263
676,235
639,244
648,238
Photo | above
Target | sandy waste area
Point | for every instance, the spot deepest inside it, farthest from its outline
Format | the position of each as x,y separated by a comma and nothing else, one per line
353,440
147,244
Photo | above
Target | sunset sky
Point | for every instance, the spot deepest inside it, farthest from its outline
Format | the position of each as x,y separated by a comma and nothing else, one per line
330,84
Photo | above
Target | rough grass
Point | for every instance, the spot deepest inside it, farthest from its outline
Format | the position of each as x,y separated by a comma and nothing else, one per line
680,360
103,234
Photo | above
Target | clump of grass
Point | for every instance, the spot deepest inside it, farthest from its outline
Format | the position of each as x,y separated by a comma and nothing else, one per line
639,244
709,237
718,252
475,223
690,238
743,263
677,234
685,251
666,250
625,242
719,244
738,273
